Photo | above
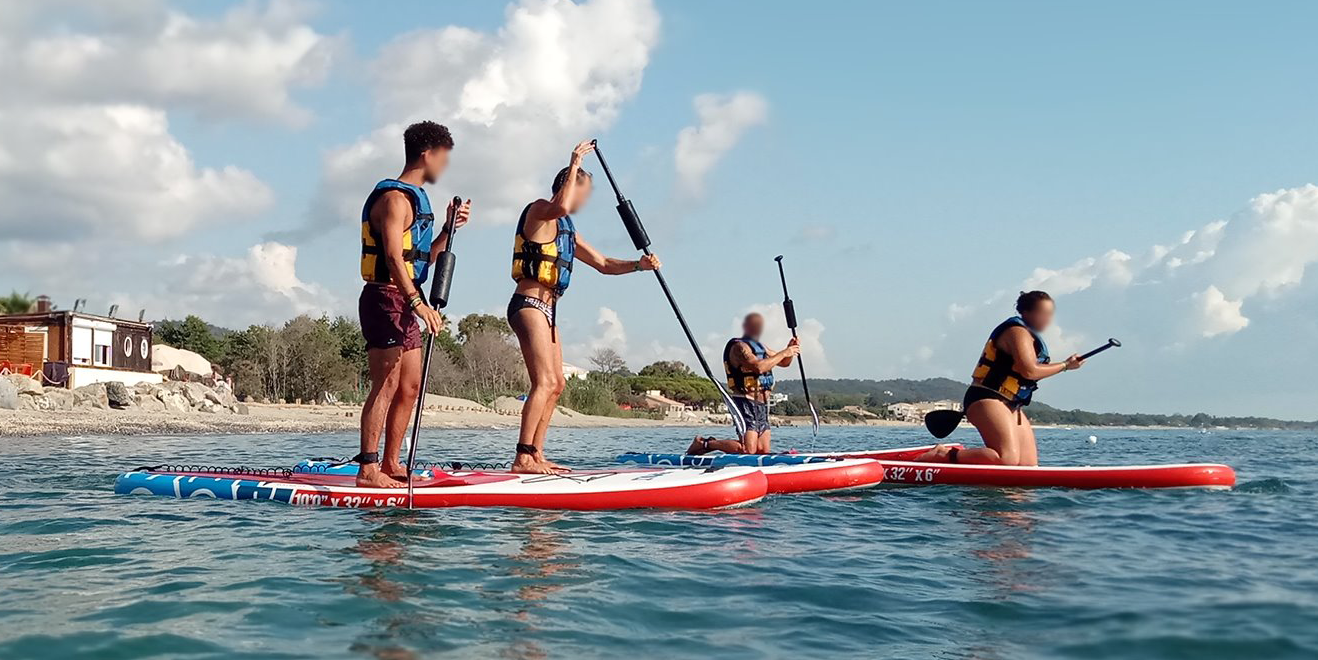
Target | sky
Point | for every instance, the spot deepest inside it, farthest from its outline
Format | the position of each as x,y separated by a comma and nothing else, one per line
1152,165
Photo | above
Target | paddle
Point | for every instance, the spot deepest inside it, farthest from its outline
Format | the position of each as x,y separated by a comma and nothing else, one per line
941,423
641,240
439,290
789,310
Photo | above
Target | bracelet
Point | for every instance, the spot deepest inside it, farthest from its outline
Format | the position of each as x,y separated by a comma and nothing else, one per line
415,301
636,267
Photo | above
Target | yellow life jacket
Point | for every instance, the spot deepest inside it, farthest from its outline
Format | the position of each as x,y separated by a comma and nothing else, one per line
547,263
740,380
996,368
416,241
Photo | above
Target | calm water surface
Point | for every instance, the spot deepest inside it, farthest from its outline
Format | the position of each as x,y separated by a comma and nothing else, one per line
927,573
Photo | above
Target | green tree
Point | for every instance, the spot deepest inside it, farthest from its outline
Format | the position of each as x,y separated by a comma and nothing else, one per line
474,324
667,369
191,334
352,348
15,303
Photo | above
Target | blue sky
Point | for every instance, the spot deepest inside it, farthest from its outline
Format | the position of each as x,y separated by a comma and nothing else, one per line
916,163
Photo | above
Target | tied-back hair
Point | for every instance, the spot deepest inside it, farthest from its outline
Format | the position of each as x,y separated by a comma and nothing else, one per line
561,179
1028,300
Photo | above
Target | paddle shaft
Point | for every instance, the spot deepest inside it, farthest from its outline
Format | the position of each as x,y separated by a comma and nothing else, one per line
789,310
1098,350
636,230
439,290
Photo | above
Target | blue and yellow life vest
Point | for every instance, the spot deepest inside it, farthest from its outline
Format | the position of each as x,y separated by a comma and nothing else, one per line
746,382
416,242
547,263
996,369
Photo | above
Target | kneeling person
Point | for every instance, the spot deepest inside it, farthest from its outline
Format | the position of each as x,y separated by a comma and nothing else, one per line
749,367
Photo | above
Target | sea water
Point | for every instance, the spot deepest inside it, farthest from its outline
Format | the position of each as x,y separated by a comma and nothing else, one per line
939,572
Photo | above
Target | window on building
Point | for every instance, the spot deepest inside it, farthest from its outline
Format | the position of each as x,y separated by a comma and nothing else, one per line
101,355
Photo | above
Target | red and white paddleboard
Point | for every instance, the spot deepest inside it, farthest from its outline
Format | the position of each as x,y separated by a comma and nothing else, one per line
899,454
1188,475
585,490
824,477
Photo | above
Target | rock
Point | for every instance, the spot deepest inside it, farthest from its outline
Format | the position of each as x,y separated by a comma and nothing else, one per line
150,403
118,395
174,401
58,398
24,384
207,406
240,409
222,398
91,396
195,393
8,395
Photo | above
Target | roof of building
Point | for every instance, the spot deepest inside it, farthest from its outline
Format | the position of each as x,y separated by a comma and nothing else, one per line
45,317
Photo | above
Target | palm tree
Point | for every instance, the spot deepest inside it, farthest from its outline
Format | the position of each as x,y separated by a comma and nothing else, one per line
16,303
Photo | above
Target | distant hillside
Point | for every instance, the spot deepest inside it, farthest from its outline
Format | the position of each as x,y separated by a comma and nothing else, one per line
875,395
878,392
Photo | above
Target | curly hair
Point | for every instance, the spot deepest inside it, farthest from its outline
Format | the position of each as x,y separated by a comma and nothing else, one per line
423,136
1028,300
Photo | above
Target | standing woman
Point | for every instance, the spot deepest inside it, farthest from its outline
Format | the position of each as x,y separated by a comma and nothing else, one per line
1014,360
544,250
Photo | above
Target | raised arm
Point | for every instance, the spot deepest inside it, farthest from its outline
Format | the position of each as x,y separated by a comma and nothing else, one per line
441,240
1020,344
557,206
743,357
610,266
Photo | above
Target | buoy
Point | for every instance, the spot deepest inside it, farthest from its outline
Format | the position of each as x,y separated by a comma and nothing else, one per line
1093,439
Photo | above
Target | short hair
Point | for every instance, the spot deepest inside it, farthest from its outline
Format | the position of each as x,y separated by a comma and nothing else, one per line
560,179
424,136
752,315
1028,300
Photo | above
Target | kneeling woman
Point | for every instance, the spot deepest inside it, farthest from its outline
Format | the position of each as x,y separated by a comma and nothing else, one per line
1014,360
544,250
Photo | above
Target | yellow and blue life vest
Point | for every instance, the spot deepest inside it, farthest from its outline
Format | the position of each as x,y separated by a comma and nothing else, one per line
416,242
996,368
746,382
547,263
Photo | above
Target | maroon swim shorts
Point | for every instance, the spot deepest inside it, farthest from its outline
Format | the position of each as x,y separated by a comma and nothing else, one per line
387,321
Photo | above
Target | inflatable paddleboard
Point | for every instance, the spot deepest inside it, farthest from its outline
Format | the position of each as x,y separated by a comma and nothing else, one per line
1189,475
815,477
720,459
585,490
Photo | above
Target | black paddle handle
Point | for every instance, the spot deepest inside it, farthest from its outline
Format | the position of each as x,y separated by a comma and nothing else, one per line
789,307
1111,343
445,262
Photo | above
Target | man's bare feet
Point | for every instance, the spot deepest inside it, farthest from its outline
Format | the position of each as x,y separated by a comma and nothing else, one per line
698,446
397,471
938,454
370,476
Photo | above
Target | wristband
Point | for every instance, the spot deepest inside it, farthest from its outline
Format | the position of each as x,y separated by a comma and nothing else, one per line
636,268
415,301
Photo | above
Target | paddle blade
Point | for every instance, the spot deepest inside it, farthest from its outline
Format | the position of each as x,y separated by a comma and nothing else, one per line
814,418
941,423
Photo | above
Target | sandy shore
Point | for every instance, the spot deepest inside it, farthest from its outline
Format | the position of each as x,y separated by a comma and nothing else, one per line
269,418
274,418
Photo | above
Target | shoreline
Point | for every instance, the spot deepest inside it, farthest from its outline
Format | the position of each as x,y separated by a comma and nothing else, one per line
307,419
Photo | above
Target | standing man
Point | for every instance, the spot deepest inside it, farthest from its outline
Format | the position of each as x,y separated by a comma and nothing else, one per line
749,366
398,247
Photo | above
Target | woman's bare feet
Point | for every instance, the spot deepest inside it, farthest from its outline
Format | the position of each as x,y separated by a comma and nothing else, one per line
555,467
528,464
370,476
938,454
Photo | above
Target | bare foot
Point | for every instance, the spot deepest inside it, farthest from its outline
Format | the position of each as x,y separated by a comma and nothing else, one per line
397,471
938,454
370,476
698,446
527,464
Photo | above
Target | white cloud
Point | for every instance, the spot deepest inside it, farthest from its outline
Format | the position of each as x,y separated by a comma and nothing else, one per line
1113,267
610,332
242,63
260,286
516,100
110,172
1216,314
723,118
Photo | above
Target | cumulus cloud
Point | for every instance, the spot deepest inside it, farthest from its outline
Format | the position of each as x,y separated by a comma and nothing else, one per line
1196,287
243,62
261,286
110,172
723,118
609,332
517,100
